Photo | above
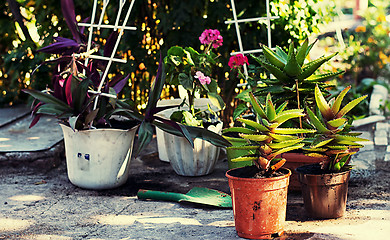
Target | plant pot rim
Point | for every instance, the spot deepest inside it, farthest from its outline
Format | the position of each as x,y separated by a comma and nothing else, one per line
100,129
298,170
257,179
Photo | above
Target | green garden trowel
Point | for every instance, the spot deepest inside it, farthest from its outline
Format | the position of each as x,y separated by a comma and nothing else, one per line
196,195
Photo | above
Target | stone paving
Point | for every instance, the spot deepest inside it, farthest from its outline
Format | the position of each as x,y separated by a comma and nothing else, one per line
37,200
375,155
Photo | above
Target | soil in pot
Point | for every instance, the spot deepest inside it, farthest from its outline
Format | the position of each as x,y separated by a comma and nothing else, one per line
259,203
324,193
253,172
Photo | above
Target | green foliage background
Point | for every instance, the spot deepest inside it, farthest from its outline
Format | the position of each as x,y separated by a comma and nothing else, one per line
161,24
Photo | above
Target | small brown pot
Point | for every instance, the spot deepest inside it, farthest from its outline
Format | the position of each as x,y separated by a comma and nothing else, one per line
295,160
259,205
324,195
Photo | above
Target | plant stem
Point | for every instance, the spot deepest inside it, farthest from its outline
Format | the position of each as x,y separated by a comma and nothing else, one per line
191,97
299,104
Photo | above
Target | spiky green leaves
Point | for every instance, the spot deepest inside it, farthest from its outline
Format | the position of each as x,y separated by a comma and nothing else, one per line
292,67
295,76
330,112
288,67
265,136
332,138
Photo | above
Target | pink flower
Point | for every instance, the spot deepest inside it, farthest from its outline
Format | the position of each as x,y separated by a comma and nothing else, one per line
211,36
238,60
202,78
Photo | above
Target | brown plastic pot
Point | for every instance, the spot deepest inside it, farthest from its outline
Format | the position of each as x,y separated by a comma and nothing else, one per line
259,205
295,160
324,195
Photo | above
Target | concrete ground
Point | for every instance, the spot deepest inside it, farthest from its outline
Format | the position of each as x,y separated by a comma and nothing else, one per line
37,201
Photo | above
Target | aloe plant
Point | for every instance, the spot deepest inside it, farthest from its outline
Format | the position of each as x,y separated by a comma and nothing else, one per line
266,138
295,79
333,137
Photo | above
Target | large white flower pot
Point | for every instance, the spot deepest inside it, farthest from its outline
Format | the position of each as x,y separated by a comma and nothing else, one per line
98,158
200,103
188,161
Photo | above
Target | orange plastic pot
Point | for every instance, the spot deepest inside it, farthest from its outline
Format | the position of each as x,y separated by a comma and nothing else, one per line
259,205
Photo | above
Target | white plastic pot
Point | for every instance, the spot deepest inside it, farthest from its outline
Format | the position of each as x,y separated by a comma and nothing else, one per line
188,161
98,158
200,103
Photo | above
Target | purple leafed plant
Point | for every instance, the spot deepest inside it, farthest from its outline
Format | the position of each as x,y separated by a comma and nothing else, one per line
75,86
75,82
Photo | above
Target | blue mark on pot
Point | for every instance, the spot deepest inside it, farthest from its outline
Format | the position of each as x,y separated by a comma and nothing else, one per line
86,156
83,161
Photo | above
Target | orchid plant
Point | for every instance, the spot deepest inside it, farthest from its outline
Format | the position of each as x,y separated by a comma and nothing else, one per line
192,70
75,89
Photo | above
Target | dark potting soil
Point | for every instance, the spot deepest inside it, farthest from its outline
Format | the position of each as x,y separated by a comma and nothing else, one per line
119,124
115,124
253,172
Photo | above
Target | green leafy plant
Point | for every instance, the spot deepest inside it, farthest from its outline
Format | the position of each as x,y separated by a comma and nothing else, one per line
191,70
265,136
73,99
333,137
294,77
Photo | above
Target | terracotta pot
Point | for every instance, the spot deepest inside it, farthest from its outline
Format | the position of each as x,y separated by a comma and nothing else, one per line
259,205
295,160
324,195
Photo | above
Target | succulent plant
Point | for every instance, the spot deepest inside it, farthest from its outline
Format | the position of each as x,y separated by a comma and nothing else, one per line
333,137
265,137
294,80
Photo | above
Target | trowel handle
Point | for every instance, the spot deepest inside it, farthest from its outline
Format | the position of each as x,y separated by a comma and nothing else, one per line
159,195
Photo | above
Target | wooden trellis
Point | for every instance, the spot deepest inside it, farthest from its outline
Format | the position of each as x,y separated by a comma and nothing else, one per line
116,26
236,22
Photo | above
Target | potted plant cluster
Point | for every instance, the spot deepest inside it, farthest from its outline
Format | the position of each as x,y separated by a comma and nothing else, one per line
259,192
191,72
332,145
313,127
98,128
294,81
